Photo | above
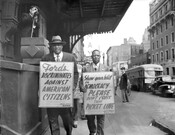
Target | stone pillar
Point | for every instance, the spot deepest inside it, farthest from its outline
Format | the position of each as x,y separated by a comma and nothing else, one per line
19,99
33,49
10,50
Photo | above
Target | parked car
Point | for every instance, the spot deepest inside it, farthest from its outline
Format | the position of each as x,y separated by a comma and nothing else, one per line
164,85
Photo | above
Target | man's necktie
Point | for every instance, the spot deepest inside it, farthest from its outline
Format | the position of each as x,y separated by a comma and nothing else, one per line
95,69
58,58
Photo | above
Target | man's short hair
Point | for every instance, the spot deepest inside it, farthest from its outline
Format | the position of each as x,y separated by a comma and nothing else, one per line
95,51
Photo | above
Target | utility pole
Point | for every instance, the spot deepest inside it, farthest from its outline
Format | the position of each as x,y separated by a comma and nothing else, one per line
103,58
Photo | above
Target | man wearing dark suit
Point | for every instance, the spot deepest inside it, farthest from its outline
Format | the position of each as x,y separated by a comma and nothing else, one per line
29,24
123,84
57,55
96,66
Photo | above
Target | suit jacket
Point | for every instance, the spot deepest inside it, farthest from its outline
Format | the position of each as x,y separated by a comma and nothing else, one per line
123,82
90,68
25,26
67,57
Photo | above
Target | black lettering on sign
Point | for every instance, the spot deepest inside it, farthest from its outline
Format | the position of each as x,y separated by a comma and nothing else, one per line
86,77
56,75
60,82
56,88
99,92
97,86
57,97
93,106
109,106
49,67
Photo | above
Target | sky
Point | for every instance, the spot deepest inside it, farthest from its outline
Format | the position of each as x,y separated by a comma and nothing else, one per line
133,24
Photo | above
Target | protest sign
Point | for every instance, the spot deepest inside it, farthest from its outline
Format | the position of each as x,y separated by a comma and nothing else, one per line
56,84
99,98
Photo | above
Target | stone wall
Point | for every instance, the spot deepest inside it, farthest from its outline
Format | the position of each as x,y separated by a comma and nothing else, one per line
19,99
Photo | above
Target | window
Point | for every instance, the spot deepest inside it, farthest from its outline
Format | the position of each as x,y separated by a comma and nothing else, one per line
161,41
160,12
173,70
166,53
157,57
172,21
172,3
173,53
0,17
153,34
172,37
161,29
157,44
161,56
166,7
153,46
157,31
166,39
167,71
153,58
156,15
166,25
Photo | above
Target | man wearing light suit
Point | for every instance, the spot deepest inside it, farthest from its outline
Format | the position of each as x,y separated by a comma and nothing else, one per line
56,54
96,66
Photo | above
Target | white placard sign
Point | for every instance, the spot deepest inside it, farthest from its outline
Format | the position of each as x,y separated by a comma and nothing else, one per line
56,84
99,98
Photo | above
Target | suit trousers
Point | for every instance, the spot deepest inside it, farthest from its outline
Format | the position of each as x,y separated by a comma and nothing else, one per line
124,95
75,109
66,116
99,129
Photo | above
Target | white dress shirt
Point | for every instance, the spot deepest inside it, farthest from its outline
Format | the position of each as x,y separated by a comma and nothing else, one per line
95,67
56,56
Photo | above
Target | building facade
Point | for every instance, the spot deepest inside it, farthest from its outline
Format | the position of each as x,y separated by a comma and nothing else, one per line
162,34
124,52
143,54
146,41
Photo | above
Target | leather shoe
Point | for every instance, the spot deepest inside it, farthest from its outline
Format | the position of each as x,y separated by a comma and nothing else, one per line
75,124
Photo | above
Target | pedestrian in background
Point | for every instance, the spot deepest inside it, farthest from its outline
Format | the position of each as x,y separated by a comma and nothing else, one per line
95,127
123,85
77,95
57,55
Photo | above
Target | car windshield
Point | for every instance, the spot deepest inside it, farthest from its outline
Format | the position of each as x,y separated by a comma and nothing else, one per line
149,73
158,73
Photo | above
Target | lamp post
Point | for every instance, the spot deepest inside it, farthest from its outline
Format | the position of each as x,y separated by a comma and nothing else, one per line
103,58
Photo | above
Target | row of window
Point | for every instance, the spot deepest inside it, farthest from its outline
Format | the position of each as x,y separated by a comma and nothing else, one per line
163,56
168,71
163,26
161,43
162,10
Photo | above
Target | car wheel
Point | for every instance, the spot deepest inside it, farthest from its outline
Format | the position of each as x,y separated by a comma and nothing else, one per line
164,94
154,92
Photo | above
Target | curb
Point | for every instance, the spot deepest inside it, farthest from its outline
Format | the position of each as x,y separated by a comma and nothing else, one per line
162,127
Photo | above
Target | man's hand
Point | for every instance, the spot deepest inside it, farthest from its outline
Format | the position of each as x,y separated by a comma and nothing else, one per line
83,89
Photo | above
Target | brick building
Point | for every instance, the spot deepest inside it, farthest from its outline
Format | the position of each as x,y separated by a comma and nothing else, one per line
162,33
123,52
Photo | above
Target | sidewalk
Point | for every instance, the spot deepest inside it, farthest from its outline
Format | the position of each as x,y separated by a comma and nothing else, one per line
163,112
165,118
161,116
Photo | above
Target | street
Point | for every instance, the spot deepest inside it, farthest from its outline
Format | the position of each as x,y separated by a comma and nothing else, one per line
134,118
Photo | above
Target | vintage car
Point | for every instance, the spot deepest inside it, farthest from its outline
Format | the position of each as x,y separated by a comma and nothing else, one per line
164,85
